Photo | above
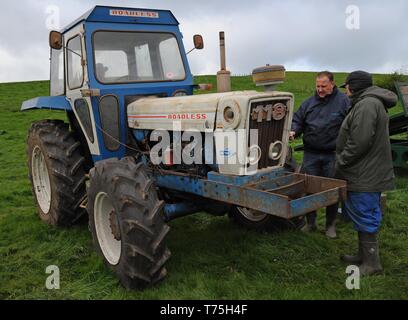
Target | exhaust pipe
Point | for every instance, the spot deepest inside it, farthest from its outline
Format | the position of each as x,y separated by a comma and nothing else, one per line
223,76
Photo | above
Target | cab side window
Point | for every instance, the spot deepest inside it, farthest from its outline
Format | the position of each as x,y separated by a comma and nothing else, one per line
57,73
75,67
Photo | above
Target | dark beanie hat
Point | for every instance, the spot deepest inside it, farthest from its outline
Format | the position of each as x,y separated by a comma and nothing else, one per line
358,80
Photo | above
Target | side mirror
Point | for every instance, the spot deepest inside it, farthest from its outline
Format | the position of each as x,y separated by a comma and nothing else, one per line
55,40
198,41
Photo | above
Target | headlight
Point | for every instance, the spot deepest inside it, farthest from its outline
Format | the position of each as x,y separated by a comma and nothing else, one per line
275,150
254,155
230,114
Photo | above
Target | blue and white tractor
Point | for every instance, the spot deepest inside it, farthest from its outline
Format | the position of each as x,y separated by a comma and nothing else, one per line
139,149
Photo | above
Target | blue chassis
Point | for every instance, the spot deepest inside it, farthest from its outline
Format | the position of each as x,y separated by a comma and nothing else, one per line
273,191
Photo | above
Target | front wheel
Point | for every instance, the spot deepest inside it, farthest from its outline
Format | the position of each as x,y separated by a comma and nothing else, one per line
127,222
263,222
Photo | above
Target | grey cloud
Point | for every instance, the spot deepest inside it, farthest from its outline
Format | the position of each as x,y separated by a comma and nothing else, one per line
310,35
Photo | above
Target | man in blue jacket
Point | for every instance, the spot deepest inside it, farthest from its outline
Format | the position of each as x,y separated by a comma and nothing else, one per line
319,119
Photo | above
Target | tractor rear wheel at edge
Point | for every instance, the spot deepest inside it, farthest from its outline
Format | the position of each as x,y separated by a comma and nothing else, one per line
56,172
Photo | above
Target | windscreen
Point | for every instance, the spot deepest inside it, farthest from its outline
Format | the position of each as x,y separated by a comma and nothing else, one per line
122,57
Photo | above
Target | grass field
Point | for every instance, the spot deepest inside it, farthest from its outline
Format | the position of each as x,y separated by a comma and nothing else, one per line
212,258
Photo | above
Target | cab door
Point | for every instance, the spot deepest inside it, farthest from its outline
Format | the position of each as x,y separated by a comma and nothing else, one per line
77,84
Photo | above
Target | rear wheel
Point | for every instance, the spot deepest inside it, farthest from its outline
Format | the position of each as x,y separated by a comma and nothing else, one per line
56,172
127,222
263,222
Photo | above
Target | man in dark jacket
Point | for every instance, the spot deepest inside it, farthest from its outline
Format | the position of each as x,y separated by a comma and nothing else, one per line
319,119
364,160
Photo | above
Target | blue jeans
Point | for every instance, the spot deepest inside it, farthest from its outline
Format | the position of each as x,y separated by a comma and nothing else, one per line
364,210
323,165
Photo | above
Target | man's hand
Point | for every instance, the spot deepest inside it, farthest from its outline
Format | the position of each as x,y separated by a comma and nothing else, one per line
292,135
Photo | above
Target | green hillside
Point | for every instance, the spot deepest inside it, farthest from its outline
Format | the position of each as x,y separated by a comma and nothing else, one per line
212,257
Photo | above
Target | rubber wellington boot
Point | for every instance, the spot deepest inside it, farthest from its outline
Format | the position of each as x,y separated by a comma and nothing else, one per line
354,259
311,222
370,254
331,214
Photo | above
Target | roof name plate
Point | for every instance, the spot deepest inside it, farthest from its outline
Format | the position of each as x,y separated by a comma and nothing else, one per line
134,13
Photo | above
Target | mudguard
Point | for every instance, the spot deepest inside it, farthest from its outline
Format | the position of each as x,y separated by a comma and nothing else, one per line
49,103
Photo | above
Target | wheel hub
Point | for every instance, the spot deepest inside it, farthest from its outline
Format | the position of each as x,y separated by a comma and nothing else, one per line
113,220
252,215
41,180
107,228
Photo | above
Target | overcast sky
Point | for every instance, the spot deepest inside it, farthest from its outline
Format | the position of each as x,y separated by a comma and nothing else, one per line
302,35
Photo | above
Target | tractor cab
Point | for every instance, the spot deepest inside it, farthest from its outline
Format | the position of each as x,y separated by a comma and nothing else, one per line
107,59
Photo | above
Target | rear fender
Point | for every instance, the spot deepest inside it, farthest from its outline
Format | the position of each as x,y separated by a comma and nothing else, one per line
49,103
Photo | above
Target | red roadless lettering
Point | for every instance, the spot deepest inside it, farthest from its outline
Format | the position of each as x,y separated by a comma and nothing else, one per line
131,13
188,116
173,116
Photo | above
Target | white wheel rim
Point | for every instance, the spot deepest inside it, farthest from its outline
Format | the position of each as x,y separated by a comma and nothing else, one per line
111,248
252,215
41,180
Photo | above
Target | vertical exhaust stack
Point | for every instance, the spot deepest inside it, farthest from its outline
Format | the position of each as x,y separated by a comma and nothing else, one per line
223,76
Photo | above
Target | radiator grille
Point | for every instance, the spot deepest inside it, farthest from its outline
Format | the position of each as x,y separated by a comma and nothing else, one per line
269,129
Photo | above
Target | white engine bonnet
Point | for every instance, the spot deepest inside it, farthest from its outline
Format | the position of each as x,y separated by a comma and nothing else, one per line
193,112
205,112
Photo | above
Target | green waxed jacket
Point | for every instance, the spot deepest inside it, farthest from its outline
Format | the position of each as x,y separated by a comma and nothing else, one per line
363,151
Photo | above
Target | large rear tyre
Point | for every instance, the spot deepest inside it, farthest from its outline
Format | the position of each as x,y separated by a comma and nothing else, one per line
56,172
127,222
258,221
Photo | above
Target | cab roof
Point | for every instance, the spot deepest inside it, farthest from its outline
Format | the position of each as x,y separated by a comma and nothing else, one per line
125,15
